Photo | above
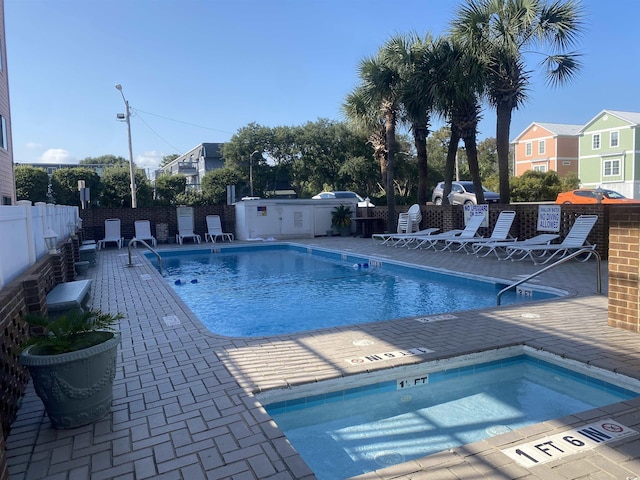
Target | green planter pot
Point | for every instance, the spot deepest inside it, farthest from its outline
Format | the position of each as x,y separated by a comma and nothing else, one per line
77,387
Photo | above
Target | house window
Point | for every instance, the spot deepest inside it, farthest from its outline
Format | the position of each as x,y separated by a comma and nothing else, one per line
3,132
615,139
540,168
611,168
6,200
595,141
528,149
541,147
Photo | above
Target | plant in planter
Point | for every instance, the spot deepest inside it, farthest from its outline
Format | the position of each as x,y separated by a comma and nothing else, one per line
341,219
72,360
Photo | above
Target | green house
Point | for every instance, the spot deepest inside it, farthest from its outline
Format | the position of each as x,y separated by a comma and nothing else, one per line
609,152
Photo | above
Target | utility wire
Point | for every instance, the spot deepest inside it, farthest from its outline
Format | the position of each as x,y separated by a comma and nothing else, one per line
155,133
186,123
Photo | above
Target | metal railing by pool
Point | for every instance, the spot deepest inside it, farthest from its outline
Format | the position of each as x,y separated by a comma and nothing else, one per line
553,265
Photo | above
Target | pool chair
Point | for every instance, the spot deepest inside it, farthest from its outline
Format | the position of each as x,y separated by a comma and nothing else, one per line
438,240
575,240
499,249
214,228
409,222
185,227
500,233
401,239
111,233
143,232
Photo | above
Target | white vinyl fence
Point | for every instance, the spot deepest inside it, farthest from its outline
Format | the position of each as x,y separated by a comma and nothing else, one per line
22,230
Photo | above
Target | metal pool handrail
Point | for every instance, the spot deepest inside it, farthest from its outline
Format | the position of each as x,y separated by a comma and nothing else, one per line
135,240
559,262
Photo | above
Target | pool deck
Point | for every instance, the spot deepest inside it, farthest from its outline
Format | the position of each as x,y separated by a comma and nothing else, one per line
184,405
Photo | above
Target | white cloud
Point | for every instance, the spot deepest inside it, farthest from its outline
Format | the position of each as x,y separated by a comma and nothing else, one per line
56,155
149,161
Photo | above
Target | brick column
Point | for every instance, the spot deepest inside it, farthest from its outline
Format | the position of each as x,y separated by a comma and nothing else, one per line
624,268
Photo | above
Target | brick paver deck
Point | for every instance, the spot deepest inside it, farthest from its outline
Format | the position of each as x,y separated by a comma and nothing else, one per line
184,405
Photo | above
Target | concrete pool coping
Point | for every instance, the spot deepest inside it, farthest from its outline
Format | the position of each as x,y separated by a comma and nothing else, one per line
184,404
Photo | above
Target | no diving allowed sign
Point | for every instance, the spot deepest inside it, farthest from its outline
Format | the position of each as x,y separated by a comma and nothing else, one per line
568,443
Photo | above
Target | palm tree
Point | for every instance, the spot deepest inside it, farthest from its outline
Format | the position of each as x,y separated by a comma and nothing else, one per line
454,80
499,33
366,118
381,86
417,103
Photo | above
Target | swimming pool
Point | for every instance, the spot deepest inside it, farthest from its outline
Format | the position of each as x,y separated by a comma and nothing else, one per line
279,289
430,408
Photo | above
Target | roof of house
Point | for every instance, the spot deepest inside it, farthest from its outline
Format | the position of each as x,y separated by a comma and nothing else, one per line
630,117
561,129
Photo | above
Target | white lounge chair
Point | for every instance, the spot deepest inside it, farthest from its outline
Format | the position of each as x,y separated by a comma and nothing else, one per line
433,241
500,233
500,248
214,227
409,222
143,232
185,227
401,239
111,233
574,241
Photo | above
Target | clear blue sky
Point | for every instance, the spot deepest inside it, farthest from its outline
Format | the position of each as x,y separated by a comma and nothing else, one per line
196,71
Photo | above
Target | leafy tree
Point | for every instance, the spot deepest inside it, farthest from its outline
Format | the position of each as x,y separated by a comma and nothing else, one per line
327,156
104,160
31,183
192,198
64,185
570,181
167,159
214,184
500,33
168,187
534,186
116,190
488,157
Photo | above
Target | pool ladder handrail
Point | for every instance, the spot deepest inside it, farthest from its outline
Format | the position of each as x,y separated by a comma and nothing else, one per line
559,262
136,240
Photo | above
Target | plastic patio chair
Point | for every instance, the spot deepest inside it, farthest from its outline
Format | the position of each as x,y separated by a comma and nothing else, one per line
185,227
214,227
500,233
409,222
575,240
143,232
111,233
470,232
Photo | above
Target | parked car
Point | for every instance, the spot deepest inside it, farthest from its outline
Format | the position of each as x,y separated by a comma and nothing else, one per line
352,195
462,193
589,195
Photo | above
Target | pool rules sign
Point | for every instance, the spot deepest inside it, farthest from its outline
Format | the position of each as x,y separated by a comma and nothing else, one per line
567,443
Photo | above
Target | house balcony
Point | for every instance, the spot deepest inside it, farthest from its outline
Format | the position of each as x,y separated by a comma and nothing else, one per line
188,168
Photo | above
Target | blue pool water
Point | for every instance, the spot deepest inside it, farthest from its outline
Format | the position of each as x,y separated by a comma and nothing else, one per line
285,289
350,432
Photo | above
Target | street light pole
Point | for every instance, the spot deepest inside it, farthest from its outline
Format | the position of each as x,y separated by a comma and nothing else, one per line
251,173
127,117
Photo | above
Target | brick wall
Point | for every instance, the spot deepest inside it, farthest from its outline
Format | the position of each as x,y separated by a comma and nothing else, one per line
624,268
26,294
93,219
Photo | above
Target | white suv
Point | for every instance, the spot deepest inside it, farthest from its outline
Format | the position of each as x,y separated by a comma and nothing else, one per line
462,193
